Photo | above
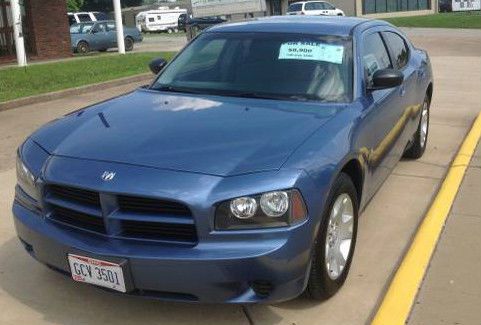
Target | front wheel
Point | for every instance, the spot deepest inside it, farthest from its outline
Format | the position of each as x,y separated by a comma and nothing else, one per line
83,47
335,242
420,139
129,44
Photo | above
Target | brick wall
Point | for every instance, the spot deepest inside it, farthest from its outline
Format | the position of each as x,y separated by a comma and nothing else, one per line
48,28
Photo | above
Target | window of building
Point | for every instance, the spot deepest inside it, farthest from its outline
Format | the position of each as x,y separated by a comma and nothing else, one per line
379,6
398,49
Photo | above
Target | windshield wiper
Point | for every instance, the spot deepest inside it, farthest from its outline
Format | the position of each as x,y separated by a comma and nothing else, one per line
176,89
220,92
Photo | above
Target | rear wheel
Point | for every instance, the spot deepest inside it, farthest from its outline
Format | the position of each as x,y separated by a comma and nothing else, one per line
420,139
335,242
129,44
83,47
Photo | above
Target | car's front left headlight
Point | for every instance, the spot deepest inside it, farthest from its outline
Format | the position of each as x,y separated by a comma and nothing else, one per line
26,180
265,210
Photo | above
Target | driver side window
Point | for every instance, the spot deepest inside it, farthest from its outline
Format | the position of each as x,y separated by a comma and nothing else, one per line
374,55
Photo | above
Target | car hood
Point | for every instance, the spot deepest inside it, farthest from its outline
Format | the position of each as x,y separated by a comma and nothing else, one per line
213,135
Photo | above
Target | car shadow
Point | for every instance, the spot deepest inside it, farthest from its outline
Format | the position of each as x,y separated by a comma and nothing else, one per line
62,301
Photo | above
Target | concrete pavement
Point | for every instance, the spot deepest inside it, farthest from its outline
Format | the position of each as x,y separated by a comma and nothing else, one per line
451,290
33,294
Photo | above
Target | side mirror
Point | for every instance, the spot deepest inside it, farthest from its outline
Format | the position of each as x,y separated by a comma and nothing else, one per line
156,65
386,78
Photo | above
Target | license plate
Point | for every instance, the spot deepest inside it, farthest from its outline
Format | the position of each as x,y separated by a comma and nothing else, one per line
97,272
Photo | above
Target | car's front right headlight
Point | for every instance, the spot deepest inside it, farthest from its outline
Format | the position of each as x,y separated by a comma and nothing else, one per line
26,180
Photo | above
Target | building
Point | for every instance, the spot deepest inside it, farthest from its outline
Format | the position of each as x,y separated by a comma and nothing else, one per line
364,8
380,8
44,26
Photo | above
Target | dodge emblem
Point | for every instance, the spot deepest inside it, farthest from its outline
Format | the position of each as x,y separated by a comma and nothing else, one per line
108,176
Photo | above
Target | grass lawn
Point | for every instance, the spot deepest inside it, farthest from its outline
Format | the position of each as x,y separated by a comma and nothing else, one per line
467,19
46,77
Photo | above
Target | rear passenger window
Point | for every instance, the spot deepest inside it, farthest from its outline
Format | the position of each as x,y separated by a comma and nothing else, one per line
374,55
397,47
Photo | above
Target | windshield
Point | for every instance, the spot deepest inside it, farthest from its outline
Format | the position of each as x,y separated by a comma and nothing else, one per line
295,7
263,65
81,28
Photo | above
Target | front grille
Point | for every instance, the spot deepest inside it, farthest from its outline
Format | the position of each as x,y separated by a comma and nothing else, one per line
148,205
133,217
78,219
152,230
76,195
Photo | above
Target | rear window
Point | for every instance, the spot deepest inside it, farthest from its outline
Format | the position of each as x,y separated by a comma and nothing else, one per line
295,7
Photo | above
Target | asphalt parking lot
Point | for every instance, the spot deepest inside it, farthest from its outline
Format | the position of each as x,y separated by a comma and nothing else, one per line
32,294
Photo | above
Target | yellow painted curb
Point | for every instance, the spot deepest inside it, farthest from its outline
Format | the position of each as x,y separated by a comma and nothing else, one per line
397,303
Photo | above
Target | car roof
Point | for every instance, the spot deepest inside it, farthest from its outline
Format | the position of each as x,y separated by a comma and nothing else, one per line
321,25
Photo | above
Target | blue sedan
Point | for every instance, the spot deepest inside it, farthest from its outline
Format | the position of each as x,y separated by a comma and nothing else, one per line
101,36
239,174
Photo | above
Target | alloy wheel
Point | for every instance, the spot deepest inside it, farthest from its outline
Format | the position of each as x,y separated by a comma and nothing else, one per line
339,235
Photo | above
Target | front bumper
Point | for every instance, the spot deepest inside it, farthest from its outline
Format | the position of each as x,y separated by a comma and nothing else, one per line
241,266
269,270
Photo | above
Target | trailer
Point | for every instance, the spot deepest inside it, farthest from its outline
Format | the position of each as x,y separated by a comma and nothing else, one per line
162,19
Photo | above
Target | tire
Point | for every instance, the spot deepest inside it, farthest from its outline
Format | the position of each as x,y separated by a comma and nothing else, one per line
419,142
83,47
176,30
324,283
129,44
169,31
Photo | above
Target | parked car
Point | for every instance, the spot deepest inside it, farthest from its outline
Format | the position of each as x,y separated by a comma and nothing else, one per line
101,36
314,8
239,174
79,17
201,23
445,5
159,20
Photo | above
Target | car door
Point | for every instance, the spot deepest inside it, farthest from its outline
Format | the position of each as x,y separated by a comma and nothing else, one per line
100,37
112,34
383,112
328,9
313,8
400,56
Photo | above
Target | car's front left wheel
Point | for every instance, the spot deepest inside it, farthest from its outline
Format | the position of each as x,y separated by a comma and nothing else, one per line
335,242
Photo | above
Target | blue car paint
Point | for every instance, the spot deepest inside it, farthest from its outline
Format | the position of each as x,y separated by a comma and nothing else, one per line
195,149
103,40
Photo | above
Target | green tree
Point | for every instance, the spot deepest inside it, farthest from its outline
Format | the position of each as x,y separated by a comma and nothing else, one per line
74,5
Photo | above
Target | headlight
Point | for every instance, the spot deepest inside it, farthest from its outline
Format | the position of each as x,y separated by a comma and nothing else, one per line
26,180
271,209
